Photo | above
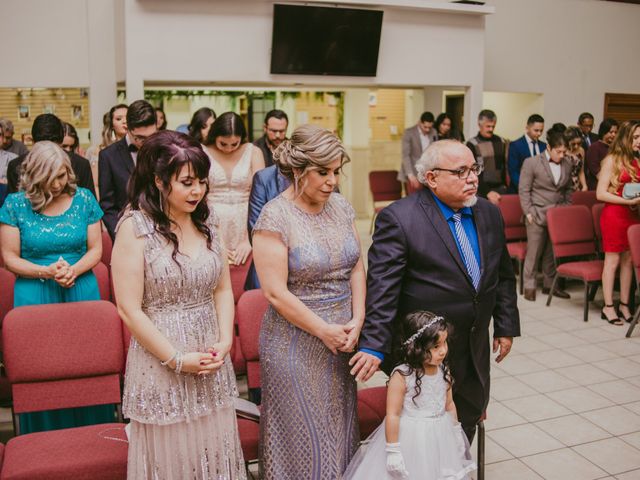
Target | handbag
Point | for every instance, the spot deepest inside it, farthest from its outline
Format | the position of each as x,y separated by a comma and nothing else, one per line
631,191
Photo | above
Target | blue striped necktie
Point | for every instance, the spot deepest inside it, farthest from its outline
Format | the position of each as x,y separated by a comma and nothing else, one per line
468,256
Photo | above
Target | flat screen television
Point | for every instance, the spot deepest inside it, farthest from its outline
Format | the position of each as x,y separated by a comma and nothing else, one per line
311,40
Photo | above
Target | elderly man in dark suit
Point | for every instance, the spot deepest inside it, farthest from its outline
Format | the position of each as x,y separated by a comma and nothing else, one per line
545,182
414,141
443,249
117,161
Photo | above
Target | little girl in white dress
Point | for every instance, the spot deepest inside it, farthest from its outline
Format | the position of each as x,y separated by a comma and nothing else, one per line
421,437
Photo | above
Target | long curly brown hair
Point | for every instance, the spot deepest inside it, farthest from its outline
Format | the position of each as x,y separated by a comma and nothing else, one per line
162,156
416,353
622,153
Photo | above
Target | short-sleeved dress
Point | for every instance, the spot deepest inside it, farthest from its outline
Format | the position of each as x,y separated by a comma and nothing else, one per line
309,424
616,219
431,448
182,425
43,240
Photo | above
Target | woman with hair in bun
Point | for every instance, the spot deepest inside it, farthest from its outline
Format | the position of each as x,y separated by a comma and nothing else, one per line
233,163
307,255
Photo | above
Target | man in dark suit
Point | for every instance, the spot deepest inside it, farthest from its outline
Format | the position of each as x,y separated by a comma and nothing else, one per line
267,184
545,183
117,161
275,131
49,127
528,145
420,260
585,122
414,141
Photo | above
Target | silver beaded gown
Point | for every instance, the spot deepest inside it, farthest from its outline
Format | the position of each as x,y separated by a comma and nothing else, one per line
183,426
309,424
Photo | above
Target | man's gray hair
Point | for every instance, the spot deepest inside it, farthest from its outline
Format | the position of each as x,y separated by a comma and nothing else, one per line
431,158
6,124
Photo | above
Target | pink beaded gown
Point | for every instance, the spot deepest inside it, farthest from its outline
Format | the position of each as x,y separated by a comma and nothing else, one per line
183,426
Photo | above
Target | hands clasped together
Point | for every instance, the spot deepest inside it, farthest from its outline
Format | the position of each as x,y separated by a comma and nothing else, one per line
201,363
340,338
63,273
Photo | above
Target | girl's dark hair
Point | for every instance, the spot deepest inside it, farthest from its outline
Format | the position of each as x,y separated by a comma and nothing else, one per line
606,125
441,118
164,119
162,156
227,124
415,353
198,121
70,131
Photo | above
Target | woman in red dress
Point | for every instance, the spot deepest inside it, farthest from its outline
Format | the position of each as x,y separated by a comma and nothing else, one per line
619,167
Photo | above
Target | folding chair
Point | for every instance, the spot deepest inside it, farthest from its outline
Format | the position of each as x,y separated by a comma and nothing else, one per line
515,232
82,345
572,235
385,188
587,198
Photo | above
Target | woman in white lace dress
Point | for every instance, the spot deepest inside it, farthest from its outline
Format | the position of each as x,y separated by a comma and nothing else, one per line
233,164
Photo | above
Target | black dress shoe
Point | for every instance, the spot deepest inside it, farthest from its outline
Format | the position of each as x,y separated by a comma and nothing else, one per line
557,293
530,294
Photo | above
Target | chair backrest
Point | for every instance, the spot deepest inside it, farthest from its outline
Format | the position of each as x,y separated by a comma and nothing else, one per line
104,281
63,355
633,234
372,408
238,278
596,212
571,231
7,282
511,210
587,198
249,313
384,185
107,247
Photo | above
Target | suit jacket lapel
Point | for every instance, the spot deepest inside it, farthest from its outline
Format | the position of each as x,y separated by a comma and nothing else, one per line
478,219
126,154
441,227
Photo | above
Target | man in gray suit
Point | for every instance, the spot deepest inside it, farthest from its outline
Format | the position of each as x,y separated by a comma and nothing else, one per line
415,141
545,182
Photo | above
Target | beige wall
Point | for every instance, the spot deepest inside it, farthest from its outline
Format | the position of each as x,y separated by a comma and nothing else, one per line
512,110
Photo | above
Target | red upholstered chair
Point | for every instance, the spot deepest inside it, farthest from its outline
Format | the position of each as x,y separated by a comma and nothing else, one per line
104,281
82,345
514,231
596,212
7,281
249,313
633,233
372,408
385,188
107,247
587,198
238,277
572,235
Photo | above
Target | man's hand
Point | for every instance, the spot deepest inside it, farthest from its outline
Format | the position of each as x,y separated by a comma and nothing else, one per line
505,347
364,366
494,197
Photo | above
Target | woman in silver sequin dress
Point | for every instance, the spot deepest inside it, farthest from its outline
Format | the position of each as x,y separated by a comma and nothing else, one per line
307,255
174,294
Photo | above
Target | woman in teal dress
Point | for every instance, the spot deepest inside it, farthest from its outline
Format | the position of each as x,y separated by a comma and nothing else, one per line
50,237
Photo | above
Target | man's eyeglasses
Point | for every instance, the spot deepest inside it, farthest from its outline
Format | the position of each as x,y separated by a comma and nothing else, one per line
464,172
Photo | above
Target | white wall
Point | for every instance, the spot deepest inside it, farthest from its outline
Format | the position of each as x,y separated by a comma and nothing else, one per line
512,110
571,51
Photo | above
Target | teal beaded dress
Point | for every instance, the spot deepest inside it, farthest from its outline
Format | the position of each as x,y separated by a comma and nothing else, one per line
43,240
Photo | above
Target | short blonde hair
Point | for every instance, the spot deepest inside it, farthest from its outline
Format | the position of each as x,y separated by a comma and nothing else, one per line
310,148
40,169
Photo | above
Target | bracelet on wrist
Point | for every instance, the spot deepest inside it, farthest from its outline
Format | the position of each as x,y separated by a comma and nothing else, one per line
179,361
168,361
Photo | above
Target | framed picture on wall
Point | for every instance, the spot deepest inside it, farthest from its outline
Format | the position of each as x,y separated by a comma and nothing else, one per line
24,112
76,112
49,108
27,139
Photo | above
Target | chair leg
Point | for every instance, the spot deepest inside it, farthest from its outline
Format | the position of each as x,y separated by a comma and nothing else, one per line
593,289
481,458
553,287
521,262
634,322
586,301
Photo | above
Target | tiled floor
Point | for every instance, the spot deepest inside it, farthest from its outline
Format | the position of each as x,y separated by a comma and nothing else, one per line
565,404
